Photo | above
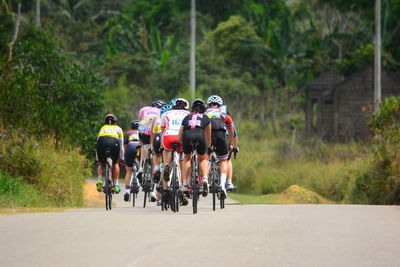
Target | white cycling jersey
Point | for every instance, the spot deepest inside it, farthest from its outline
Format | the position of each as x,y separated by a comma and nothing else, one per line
171,121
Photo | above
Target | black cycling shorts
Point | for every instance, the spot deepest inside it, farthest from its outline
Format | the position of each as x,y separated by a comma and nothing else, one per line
194,135
145,138
157,144
130,154
220,143
104,143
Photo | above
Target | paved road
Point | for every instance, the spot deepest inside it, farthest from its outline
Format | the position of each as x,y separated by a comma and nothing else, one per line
239,235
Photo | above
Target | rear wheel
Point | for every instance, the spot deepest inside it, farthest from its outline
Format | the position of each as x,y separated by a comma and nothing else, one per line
195,188
214,184
107,187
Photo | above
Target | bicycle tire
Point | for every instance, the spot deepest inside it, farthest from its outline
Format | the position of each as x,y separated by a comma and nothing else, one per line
173,189
106,186
214,184
193,180
146,180
132,184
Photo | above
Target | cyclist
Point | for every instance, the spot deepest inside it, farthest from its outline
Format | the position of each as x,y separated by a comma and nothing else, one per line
170,124
146,116
155,143
110,137
220,123
131,142
196,127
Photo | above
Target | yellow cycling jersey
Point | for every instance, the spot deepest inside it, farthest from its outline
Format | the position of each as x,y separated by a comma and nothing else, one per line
157,126
111,131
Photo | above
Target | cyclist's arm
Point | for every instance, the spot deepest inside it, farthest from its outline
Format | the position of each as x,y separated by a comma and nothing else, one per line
230,137
152,134
208,135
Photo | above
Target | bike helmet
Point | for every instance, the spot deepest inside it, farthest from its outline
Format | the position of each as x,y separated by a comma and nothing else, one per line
110,119
134,124
199,105
172,102
159,103
181,103
215,100
165,109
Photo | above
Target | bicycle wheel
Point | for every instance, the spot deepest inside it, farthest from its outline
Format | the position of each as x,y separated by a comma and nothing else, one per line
193,181
214,183
133,184
146,180
173,202
106,186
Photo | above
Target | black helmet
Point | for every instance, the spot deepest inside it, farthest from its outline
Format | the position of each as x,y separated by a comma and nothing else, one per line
199,105
134,124
159,103
110,119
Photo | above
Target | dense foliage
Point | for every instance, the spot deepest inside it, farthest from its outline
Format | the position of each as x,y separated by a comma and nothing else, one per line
381,183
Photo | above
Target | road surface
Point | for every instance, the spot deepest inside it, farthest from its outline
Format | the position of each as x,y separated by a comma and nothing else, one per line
239,235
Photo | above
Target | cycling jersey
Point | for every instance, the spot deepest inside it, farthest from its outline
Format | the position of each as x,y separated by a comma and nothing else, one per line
131,136
195,121
146,116
219,119
111,131
157,126
110,137
171,121
193,131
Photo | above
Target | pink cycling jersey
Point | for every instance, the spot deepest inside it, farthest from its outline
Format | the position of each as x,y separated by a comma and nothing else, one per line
146,116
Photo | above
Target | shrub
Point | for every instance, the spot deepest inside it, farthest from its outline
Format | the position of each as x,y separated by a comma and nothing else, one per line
56,174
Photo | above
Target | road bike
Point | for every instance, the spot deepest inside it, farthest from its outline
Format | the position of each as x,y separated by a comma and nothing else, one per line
214,181
147,180
134,184
195,178
108,188
174,189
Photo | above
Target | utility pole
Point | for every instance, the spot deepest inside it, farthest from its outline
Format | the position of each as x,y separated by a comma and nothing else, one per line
193,49
38,13
377,77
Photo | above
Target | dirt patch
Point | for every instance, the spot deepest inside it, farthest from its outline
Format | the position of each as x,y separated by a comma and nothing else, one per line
297,194
92,198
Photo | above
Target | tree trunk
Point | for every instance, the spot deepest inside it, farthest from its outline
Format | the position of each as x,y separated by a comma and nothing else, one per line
273,112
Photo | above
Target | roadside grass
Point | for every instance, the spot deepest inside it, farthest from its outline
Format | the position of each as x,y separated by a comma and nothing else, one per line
39,174
268,165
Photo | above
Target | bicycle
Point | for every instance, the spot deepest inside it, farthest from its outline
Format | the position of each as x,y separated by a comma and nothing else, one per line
147,184
175,181
108,188
195,178
134,185
214,180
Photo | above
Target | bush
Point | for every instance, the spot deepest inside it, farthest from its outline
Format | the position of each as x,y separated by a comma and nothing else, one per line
380,184
56,174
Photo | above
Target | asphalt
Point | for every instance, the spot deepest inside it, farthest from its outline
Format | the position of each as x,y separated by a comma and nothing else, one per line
239,235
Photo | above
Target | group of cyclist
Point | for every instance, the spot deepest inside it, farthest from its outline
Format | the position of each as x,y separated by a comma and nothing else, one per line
161,125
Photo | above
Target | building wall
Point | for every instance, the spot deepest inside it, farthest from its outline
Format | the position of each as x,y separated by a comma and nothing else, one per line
355,100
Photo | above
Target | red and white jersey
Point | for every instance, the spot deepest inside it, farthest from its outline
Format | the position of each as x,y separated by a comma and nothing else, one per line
171,121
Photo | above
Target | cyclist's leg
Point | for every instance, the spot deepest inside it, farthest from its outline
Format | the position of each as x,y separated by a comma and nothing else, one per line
130,155
144,140
222,152
187,150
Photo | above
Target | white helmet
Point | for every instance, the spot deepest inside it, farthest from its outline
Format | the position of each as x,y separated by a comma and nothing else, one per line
181,103
215,99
